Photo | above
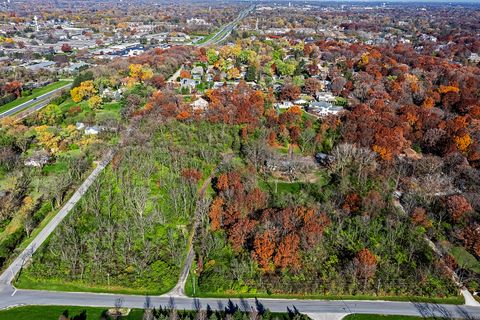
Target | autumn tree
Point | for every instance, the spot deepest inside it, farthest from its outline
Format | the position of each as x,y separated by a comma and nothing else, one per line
365,264
95,102
216,213
419,218
288,253
290,92
140,73
470,236
457,206
185,74
13,87
352,203
312,86
66,48
264,247
157,81
191,175
84,91
233,73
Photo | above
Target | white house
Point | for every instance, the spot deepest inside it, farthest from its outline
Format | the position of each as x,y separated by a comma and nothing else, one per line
199,105
323,108
80,125
38,159
198,70
283,105
189,83
300,102
92,130
325,96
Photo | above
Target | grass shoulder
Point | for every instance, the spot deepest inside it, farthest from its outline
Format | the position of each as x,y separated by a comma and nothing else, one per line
53,312
192,283
383,317
35,93
26,282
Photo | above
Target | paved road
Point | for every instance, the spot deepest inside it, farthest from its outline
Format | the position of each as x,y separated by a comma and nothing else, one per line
6,278
43,99
32,297
221,35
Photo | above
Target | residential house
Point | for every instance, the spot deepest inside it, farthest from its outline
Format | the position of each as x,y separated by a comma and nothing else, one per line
189,83
48,65
323,108
38,159
325,96
92,130
283,105
197,73
301,102
199,105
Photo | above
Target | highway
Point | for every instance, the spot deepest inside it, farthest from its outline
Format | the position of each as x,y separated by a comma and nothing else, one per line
221,35
35,104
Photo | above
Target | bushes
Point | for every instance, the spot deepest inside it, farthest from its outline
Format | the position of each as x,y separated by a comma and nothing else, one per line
7,98
132,224
9,244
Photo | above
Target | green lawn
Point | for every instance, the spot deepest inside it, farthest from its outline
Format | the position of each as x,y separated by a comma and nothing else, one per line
207,37
465,259
378,316
35,93
53,312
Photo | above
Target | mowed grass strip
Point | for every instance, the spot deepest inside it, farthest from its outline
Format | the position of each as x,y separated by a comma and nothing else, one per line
381,317
54,312
35,93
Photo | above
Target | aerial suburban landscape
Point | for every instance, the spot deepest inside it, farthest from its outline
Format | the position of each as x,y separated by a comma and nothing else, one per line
239,160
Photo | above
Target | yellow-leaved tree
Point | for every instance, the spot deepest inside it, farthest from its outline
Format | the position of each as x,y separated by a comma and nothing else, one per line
84,91
140,72
47,138
233,73
95,102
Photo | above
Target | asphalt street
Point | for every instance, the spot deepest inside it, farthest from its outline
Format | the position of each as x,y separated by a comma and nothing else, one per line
38,103
9,297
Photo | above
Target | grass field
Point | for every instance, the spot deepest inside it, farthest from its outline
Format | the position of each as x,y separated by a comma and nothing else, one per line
53,312
207,37
465,259
35,93
382,317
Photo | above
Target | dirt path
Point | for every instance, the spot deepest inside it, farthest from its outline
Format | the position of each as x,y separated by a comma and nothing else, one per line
179,289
